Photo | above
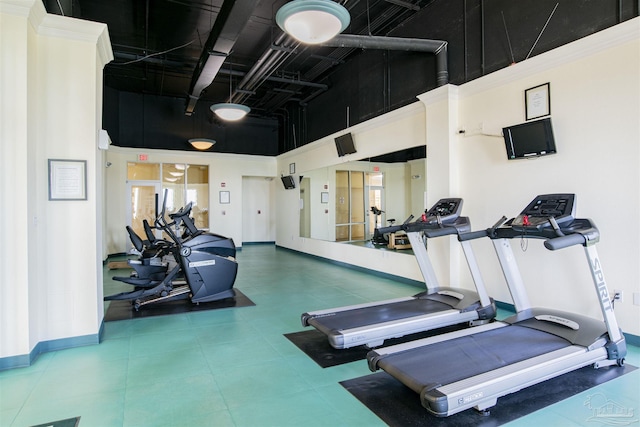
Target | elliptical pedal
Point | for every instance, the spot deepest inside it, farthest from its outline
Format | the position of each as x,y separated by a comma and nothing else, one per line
180,291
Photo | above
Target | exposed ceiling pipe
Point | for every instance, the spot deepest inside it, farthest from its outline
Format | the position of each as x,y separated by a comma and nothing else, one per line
266,65
297,82
231,20
260,63
437,47
321,86
404,4
283,47
260,79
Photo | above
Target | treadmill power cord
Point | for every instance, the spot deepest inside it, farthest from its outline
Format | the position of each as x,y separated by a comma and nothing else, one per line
616,297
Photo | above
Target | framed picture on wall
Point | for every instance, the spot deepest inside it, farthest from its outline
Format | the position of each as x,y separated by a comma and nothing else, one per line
537,101
67,179
225,197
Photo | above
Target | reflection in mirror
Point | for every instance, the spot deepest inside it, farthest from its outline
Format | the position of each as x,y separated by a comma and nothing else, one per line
348,201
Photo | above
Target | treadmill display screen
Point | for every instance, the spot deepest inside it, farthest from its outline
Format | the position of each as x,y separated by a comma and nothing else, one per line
447,209
536,215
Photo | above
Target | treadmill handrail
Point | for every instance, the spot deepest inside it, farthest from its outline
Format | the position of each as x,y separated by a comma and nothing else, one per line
565,241
482,233
473,235
580,231
582,226
437,229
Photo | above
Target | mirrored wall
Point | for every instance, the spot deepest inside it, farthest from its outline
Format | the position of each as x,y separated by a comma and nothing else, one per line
346,202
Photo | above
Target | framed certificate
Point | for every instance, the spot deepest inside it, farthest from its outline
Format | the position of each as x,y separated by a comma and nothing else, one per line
537,102
225,197
67,179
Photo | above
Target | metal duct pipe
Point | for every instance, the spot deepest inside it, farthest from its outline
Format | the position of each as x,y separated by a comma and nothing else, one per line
437,47
442,66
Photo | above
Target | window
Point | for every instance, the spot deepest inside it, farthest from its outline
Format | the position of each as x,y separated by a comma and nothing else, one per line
187,183
184,183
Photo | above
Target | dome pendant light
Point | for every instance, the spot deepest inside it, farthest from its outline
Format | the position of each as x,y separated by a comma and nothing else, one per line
313,21
201,143
230,111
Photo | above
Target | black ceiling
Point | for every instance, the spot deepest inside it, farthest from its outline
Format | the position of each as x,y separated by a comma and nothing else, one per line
299,93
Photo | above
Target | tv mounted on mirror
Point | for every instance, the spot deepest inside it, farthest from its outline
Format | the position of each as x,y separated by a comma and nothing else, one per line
345,145
530,139
288,181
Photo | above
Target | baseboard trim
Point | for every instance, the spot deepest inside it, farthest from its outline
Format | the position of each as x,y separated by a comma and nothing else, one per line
24,360
376,273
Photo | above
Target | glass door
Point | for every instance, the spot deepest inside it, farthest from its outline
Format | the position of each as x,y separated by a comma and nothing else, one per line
350,211
146,201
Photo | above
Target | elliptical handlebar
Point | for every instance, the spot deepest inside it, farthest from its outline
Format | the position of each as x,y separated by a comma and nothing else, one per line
162,224
160,221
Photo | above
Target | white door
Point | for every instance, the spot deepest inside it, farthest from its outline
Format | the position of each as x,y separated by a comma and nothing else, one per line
258,221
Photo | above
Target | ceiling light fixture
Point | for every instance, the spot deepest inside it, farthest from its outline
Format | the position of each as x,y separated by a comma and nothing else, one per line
230,111
313,21
201,143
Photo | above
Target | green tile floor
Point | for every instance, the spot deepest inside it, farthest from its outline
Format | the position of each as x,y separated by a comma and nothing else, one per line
233,367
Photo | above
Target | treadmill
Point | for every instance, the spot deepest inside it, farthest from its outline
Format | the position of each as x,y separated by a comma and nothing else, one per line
474,367
371,323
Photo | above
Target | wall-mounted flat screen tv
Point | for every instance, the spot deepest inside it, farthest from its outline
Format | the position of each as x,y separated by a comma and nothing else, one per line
288,181
345,145
530,139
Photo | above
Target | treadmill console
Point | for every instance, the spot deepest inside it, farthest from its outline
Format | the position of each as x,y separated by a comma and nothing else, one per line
560,207
447,210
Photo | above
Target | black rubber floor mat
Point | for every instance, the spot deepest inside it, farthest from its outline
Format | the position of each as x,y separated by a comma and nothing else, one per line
69,422
399,406
121,310
316,345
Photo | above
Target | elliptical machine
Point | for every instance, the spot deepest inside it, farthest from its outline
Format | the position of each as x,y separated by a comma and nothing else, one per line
155,255
151,263
205,260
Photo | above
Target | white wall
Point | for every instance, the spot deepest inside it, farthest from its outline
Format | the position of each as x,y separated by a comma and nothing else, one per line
50,266
226,173
595,105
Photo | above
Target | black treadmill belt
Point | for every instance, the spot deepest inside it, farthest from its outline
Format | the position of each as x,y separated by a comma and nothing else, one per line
453,360
378,314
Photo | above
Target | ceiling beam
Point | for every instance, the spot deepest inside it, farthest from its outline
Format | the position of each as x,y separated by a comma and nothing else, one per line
231,20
